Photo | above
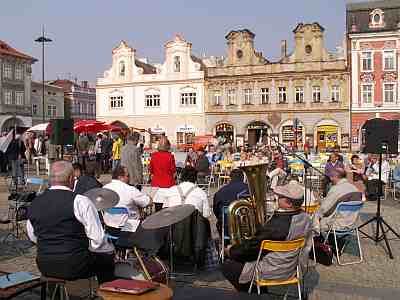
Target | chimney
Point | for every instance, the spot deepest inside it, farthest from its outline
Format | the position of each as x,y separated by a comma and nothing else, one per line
84,84
283,48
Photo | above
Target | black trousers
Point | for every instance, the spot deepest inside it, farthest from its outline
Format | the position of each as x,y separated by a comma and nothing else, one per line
100,265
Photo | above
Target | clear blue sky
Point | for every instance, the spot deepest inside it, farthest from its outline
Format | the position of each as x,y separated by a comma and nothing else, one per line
85,31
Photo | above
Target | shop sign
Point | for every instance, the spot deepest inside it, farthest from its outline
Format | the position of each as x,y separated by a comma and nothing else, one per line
186,129
157,130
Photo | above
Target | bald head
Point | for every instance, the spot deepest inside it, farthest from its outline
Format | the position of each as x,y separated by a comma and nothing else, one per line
61,173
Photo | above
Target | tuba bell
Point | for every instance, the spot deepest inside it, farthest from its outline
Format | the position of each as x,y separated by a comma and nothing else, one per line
245,214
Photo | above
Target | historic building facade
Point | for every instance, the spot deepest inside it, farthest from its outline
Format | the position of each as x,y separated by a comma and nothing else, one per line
79,99
163,99
374,41
303,96
53,102
15,88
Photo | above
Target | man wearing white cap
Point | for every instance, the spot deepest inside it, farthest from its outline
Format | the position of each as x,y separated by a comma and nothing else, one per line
288,223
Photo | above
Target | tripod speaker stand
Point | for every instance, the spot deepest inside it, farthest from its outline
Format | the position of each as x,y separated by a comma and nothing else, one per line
381,136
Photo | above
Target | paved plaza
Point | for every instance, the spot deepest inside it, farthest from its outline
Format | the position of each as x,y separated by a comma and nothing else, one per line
375,278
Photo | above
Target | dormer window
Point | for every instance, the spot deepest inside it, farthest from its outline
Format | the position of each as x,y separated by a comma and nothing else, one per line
177,64
121,69
377,19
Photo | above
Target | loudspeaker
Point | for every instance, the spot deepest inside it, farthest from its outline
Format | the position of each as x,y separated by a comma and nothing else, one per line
381,136
62,131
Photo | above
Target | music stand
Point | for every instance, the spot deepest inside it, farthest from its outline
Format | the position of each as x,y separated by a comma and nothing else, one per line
380,221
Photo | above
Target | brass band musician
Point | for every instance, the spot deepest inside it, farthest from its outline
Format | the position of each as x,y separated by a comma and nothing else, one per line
288,223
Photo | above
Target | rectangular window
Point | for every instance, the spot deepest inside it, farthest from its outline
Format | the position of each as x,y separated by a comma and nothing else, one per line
116,102
7,70
91,109
51,110
389,93
152,100
217,98
8,97
248,96
388,63
282,94
19,98
188,99
335,97
316,94
34,109
264,96
299,94
366,61
231,97
180,138
367,93
19,72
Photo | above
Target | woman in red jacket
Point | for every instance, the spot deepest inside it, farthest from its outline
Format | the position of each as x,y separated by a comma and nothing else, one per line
162,169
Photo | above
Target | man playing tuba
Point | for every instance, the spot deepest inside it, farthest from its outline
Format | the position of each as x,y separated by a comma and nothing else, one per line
288,223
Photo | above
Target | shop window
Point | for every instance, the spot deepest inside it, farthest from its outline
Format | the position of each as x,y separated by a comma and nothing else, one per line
188,99
335,94
248,96
116,102
388,60
264,96
217,98
299,94
366,61
289,134
231,97
316,94
389,93
282,95
180,138
152,100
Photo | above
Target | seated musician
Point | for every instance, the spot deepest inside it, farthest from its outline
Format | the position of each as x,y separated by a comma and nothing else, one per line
70,239
129,197
228,193
87,181
340,188
187,192
288,223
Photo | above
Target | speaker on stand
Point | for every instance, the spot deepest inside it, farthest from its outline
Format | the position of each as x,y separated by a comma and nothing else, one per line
381,137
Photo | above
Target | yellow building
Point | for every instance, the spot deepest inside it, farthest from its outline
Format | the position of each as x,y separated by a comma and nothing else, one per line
249,97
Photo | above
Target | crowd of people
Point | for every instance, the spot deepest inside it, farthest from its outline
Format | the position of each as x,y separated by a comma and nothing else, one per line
77,233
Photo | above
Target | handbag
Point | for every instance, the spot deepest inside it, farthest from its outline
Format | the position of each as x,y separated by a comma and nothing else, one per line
323,252
211,257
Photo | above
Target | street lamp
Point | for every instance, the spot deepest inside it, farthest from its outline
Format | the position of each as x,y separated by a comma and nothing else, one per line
43,40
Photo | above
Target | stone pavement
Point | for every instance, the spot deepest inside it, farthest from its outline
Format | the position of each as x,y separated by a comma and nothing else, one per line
376,278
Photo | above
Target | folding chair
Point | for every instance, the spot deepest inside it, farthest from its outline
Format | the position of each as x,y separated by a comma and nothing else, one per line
278,246
348,209
224,232
311,210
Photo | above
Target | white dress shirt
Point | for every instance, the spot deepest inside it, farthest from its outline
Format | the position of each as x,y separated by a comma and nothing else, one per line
196,197
86,213
130,198
373,171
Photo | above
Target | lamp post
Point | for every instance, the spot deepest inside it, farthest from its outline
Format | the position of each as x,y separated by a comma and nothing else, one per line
42,39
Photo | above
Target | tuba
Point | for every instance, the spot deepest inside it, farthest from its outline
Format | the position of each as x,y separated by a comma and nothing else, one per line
245,214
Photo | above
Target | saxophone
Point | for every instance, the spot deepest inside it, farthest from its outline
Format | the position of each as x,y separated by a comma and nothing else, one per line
245,214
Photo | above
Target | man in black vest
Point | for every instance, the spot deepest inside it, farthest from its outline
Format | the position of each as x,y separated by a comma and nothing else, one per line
70,238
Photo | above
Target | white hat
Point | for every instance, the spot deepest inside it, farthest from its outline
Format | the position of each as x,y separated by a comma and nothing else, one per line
293,190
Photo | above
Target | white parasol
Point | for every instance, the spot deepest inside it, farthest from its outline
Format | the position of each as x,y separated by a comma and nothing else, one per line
39,127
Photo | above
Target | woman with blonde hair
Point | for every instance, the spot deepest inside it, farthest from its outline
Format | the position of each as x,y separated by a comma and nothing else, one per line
162,169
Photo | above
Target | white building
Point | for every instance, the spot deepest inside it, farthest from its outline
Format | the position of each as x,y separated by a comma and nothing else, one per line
163,99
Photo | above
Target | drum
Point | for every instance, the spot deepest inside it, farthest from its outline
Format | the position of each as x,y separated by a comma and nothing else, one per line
142,268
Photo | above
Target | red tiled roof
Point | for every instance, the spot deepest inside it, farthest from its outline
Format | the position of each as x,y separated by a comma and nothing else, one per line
7,50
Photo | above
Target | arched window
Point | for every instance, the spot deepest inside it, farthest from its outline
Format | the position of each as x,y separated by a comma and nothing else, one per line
122,69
